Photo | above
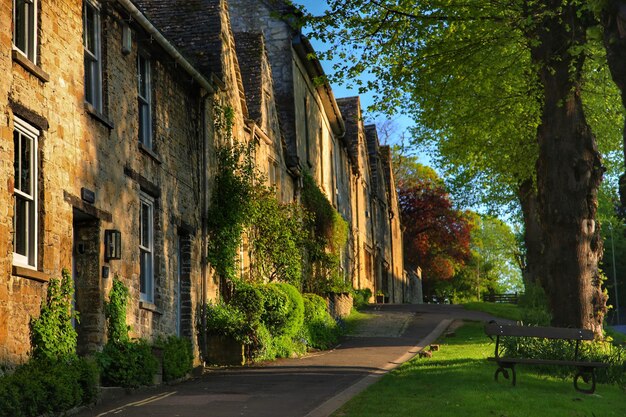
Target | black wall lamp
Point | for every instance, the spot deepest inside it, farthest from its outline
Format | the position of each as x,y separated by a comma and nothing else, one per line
112,245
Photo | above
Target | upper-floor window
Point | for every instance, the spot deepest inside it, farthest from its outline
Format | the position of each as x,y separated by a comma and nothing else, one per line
144,85
25,27
25,193
146,248
92,42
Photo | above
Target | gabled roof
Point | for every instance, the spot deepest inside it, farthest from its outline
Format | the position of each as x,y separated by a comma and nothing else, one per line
194,27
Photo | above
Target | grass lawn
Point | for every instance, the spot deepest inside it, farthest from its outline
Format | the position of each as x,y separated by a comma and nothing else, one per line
458,381
503,310
355,319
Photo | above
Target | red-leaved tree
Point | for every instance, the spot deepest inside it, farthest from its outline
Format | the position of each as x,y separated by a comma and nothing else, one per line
437,236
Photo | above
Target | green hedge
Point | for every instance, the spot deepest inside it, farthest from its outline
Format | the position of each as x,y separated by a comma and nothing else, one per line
48,386
177,357
128,364
320,329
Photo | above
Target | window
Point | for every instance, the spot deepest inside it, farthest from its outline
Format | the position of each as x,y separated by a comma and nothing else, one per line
25,27
25,192
146,248
93,61
144,82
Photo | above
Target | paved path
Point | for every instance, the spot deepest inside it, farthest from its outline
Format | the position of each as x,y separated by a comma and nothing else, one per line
313,386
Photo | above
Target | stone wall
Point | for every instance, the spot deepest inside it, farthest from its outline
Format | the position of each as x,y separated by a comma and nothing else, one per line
339,305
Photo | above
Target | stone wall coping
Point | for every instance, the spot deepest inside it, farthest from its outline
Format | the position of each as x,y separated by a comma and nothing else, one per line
29,273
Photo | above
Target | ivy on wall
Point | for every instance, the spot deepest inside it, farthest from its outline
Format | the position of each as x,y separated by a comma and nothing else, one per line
329,236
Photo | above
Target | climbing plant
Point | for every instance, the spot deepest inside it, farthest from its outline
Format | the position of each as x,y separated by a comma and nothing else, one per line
329,234
276,237
52,334
115,312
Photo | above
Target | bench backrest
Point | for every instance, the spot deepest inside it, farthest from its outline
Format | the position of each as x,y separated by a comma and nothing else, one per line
494,329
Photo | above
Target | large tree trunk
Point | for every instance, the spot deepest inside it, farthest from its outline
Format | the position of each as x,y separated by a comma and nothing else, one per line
614,24
569,172
532,266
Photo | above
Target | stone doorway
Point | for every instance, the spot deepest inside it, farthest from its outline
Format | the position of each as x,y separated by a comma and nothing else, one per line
88,299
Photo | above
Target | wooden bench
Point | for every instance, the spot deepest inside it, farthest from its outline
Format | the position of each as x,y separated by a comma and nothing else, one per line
586,369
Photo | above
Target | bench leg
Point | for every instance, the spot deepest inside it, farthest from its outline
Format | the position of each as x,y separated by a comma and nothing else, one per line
588,376
502,369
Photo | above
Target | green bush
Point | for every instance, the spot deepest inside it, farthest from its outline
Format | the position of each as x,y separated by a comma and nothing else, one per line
361,298
248,299
295,309
320,330
225,320
48,386
177,357
275,308
128,364
115,312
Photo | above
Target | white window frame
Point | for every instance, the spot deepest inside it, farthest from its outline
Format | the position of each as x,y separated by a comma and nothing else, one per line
144,100
146,248
93,57
31,13
30,133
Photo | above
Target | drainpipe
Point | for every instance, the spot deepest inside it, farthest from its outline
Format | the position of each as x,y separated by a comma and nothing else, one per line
204,239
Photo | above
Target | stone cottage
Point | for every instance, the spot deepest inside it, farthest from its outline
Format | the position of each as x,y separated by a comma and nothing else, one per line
110,116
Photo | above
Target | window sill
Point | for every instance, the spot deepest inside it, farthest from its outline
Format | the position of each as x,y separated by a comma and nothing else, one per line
143,148
28,273
93,112
145,305
30,66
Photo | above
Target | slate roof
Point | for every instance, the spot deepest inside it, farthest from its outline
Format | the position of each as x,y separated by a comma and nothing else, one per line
192,26
349,108
371,137
251,54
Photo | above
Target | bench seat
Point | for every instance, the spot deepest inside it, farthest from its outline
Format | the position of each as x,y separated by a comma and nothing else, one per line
586,369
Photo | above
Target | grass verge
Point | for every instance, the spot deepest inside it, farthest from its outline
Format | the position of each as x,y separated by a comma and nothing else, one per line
458,381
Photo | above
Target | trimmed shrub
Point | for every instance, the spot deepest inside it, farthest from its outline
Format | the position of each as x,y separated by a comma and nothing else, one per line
177,357
48,386
275,309
320,330
127,364
248,299
226,320
295,309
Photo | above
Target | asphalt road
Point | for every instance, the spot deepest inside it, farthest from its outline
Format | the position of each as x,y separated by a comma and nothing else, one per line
313,386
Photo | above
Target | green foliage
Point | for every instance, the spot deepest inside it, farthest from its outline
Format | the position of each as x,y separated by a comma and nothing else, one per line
52,333
275,308
248,299
230,207
115,312
46,385
361,298
320,330
177,357
534,306
128,364
329,236
225,320
124,362
295,310
276,236
597,351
